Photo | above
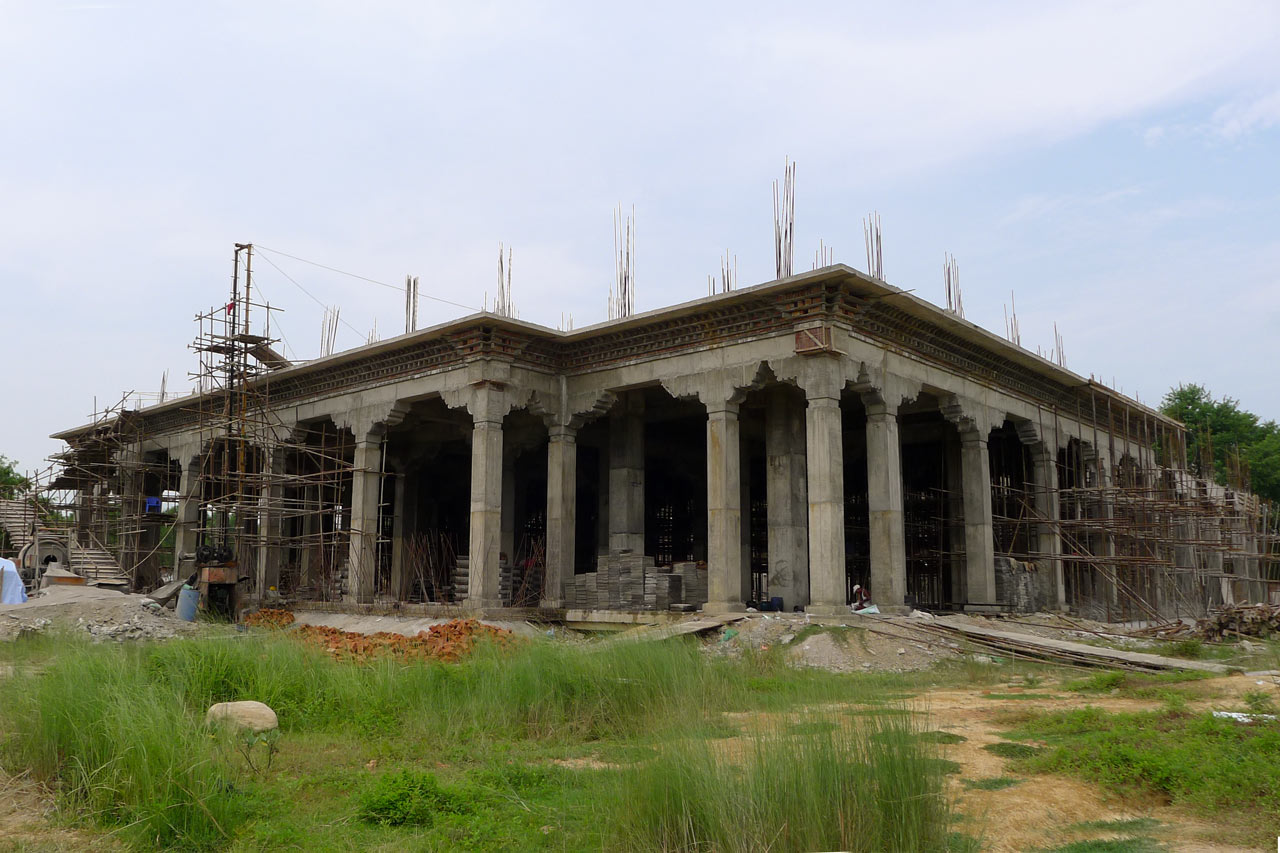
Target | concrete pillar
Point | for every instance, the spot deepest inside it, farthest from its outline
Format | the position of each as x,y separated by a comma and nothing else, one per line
486,514
626,474
825,465
602,502
744,503
84,516
955,518
310,523
270,527
979,538
366,481
1045,474
399,583
724,510
509,508
884,508
788,495
130,485
186,528
1104,464
562,512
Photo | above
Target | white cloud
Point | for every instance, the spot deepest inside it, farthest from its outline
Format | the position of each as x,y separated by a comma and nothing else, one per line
923,94
410,137
1240,118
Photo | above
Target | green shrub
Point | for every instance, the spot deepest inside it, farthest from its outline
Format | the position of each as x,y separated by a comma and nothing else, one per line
1101,682
1197,760
1259,702
1005,749
1190,648
991,783
408,798
942,737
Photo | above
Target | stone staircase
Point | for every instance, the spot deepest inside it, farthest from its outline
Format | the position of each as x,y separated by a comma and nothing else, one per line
92,562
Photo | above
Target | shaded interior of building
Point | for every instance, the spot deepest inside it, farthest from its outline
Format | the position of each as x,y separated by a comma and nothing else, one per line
1137,541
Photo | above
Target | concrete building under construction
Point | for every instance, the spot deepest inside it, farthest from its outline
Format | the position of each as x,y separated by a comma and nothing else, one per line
775,445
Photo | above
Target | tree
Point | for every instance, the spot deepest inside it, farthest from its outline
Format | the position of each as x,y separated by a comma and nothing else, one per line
1218,430
11,482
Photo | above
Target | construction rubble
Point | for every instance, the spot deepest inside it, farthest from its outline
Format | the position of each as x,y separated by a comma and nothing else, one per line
105,614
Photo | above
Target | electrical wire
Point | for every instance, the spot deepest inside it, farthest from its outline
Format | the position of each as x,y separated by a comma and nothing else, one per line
279,328
395,287
308,293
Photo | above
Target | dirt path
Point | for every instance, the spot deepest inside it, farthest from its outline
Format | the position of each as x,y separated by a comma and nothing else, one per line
26,815
27,823
1038,810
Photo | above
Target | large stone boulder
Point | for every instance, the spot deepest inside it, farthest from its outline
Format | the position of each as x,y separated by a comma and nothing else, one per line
254,716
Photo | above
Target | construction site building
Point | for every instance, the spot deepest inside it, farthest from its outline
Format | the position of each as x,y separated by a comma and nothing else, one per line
770,446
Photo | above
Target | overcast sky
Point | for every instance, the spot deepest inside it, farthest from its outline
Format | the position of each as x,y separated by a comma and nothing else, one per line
1116,166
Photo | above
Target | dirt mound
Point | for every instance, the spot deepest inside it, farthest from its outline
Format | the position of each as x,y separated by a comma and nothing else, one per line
856,644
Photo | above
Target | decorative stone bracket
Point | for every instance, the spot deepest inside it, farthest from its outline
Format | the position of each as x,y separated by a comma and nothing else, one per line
723,389
971,418
562,410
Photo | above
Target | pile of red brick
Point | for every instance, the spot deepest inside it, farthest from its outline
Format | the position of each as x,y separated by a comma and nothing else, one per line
449,641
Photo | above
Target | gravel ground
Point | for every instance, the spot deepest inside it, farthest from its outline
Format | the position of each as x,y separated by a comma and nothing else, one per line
104,613
856,644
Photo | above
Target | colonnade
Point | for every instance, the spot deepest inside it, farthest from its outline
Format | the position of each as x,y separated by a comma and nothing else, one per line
804,448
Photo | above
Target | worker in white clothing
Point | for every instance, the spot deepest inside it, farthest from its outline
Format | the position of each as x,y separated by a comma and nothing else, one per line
12,590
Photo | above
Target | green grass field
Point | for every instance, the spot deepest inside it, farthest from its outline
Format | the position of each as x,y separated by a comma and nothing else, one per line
1221,769
542,747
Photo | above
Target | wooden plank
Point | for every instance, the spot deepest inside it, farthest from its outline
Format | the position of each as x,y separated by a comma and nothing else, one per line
698,625
1077,651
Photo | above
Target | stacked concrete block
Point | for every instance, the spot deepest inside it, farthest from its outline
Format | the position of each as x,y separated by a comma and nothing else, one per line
588,593
506,582
461,579
662,590
627,573
693,582
628,581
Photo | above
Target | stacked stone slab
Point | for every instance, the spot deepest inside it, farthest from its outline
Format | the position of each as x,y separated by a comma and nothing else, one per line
693,582
628,581
662,590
